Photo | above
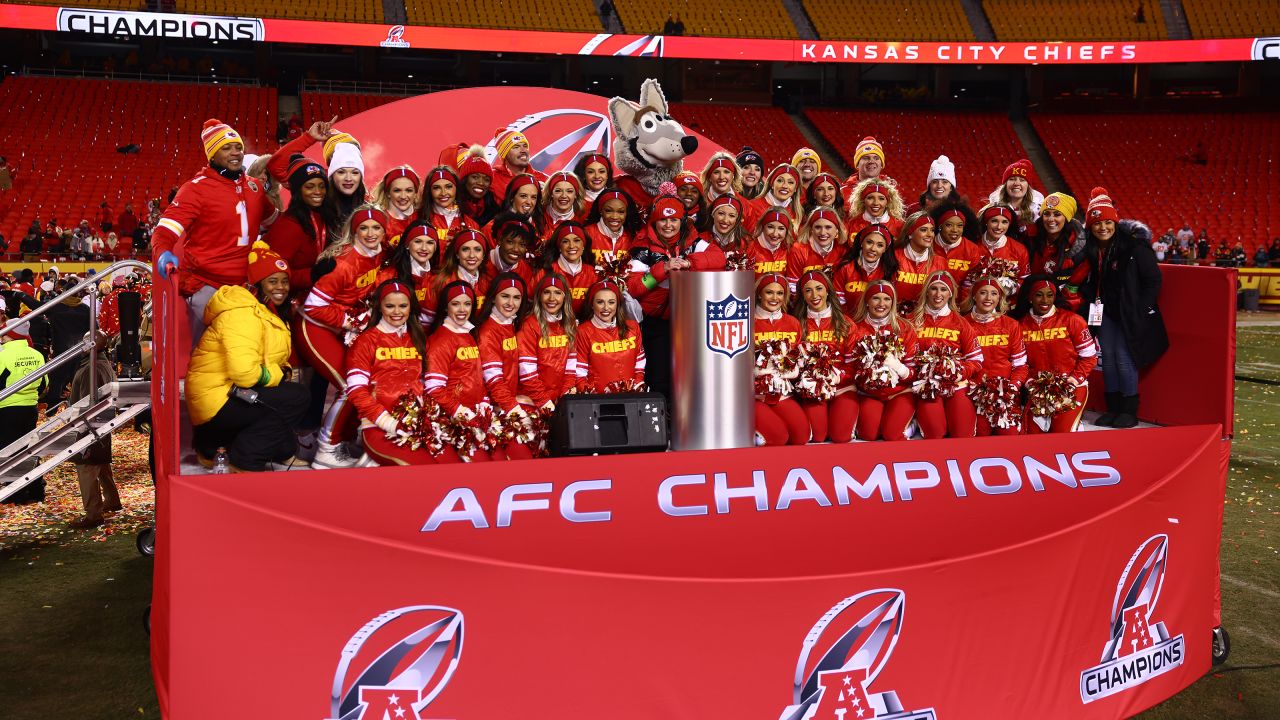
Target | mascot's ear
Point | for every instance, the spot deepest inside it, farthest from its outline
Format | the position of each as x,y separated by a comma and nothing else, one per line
651,96
623,115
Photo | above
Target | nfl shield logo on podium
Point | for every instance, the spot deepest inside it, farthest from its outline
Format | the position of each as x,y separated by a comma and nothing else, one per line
728,325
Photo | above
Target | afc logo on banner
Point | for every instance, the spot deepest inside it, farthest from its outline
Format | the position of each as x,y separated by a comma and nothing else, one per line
728,325
1139,649
395,38
398,663
858,634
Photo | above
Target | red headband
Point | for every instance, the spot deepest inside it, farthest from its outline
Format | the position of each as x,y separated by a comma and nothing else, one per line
919,223
944,277
881,230
784,168
874,187
881,286
460,288
403,171
417,230
768,278
568,227
520,181
610,195
825,178
597,158
775,216
1039,284
443,174
466,235
361,216
824,214
814,275
507,284
564,176
987,281
996,211
722,162
729,200
953,212
393,287
604,285
552,280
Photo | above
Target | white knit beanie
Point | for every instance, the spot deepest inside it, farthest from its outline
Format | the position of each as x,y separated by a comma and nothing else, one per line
942,169
346,155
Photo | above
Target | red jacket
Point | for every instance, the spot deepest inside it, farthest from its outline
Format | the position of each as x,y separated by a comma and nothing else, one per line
210,225
396,227
952,330
579,283
1010,250
432,298
604,248
491,271
604,358
786,327
288,239
960,259
454,377
446,229
857,222
909,282
764,260
819,331
910,347
381,366
1003,353
708,253
548,365
421,285
851,283
500,362
350,282
802,257
1059,343
649,257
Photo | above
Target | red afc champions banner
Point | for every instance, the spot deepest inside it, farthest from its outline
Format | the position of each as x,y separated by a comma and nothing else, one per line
125,23
1048,576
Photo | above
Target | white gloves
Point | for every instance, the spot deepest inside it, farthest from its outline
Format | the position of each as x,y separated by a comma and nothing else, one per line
463,412
893,363
549,406
386,423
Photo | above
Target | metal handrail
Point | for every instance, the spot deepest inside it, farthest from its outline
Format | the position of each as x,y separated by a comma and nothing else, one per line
86,344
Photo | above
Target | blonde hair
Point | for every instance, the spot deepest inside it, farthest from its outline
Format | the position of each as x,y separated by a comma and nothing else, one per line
579,199
382,192
858,207
735,185
348,236
568,322
917,315
904,236
790,239
861,312
842,235
1023,208
258,170
966,306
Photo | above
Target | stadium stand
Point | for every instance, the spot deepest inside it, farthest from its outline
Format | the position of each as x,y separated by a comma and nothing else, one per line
727,18
362,11
567,15
927,20
981,144
1145,161
1038,20
68,160
95,4
1232,18
322,106
768,130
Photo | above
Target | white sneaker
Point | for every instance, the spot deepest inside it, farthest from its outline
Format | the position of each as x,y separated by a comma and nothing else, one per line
306,446
330,457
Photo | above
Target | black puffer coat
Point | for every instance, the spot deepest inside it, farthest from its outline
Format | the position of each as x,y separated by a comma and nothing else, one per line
1129,278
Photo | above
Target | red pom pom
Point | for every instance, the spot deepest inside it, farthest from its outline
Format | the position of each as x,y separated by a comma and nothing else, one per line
1098,191
211,122
667,188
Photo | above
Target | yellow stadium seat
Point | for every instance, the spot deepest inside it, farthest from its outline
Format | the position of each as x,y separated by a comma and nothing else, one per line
1038,20
564,15
924,20
726,18
1232,18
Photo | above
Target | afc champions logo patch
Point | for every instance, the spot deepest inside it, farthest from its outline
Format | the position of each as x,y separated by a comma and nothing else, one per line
395,38
559,138
397,664
1139,649
841,657
728,325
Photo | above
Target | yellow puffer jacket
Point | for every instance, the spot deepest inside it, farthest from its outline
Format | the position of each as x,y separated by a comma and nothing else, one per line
245,345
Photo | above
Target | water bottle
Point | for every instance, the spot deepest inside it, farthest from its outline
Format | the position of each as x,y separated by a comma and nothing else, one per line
220,464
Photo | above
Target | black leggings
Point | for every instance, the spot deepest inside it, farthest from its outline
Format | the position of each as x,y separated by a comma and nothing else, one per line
255,434
655,333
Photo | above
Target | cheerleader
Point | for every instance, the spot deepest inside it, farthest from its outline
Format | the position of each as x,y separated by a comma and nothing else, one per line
387,361
886,412
301,232
608,344
440,211
476,200
938,322
454,377
875,200
782,189
412,263
724,235
332,309
824,191
1016,193
867,259
595,173
1057,341
346,179
820,246
996,221
562,200
612,226
397,196
513,236
769,250
498,322
1057,246
689,190
521,198
916,259
955,225
721,176
822,323
779,418
545,342
465,259
564,256
751,167
1000,337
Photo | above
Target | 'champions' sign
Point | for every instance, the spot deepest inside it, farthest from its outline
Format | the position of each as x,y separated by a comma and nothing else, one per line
141,24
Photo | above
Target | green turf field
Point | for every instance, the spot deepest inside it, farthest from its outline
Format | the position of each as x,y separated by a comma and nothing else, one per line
72,643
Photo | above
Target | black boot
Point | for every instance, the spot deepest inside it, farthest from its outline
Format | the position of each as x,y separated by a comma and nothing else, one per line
1108,418
1129,412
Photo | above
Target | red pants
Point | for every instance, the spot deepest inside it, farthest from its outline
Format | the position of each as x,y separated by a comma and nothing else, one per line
1063,421
887,419
842,416
513,451
985,429
784,423
816,412
947,417
386,452
322,349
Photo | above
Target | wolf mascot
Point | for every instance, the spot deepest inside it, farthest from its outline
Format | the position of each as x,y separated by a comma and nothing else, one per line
649,146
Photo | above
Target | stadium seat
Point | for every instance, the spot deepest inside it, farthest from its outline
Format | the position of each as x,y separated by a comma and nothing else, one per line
1232,18
322,106
726,18
768,130
1040,20
925,20
980,144
566,15
68,164
1143,159
362,11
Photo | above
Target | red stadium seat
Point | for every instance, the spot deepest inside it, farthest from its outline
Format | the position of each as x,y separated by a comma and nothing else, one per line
768,130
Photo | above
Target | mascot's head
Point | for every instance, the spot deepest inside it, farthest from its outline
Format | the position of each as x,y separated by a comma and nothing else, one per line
646,134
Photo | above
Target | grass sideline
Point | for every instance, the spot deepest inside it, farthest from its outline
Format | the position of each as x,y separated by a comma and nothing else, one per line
74,644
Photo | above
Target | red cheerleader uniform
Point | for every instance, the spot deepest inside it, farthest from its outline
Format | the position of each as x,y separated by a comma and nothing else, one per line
422,277
765,259
454,377
708,253
857,222
851,283
606,247
803,257
754,209
1060,342
886,412
912,273
953,416
446,227
604,357
496,266
396,226
1003,355
1007,249
580,280
779,420
960,258
383,365
837,417
500,368
548,365
433,298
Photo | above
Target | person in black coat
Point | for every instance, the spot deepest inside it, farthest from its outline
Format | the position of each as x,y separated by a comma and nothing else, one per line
1125,278
68,324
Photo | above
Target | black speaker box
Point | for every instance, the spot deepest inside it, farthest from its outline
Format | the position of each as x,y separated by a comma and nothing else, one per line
130,309
609,424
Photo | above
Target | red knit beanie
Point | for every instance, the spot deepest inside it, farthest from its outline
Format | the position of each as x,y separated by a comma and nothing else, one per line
1100,207
264,262
1021,168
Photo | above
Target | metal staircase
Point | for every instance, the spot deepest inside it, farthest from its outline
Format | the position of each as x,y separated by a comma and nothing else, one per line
108,407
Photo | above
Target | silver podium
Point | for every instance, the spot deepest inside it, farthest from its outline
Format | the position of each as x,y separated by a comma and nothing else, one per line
712,360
